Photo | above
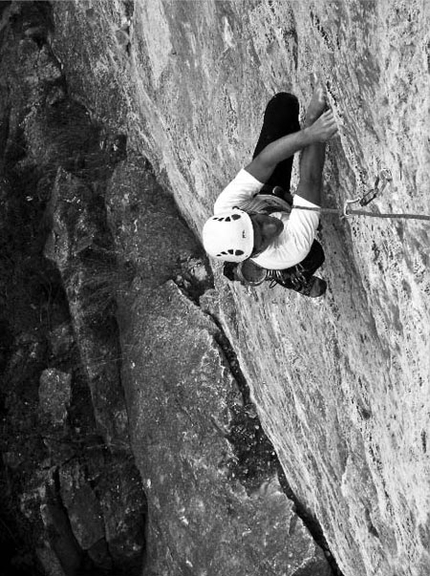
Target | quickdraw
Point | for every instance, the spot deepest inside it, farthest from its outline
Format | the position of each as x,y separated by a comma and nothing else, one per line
382,181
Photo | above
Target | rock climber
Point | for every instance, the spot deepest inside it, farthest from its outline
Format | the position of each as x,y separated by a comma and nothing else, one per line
246,226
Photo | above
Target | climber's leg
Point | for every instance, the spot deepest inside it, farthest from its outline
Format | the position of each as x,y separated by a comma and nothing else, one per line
280,119
312,157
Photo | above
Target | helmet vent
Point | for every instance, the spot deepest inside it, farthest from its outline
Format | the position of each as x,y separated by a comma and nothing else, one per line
227,218
230,251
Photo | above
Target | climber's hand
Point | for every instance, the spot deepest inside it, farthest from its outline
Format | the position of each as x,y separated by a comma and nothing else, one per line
324,128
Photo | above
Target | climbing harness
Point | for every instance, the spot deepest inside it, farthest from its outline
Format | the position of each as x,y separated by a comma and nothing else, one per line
382,181
251,274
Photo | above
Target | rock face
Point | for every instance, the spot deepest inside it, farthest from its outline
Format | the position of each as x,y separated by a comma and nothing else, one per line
72,500
115,381
340,386
215,504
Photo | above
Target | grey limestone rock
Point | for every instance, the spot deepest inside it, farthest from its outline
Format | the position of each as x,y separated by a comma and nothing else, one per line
55,394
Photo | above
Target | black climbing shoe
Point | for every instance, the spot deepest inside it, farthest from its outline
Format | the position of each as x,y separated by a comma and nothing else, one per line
313,288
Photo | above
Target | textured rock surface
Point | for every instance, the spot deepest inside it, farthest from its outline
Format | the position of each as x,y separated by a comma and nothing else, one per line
201,518
72,501
98,230
55,394
341,385
207,513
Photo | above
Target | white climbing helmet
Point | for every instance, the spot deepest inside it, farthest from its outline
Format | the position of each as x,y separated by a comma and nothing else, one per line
229,236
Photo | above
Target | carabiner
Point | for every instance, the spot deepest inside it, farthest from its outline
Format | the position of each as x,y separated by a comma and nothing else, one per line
345,207
386,177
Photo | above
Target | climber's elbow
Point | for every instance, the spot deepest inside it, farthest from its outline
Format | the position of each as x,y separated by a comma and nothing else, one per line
261,167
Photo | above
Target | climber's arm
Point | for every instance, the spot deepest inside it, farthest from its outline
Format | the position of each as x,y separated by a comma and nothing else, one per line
264,164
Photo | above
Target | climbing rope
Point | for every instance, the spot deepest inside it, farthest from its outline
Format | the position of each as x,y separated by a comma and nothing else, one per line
382,181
